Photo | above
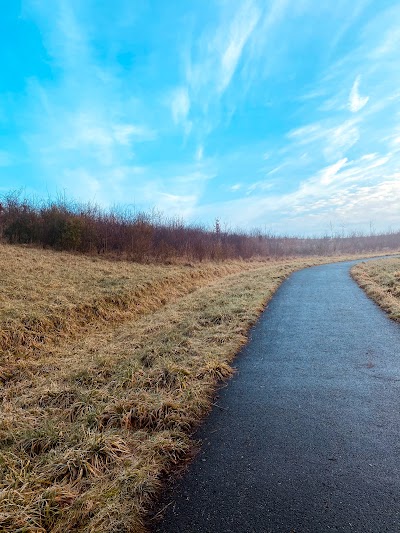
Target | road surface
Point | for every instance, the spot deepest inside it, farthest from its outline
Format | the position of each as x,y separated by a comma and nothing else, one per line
307,436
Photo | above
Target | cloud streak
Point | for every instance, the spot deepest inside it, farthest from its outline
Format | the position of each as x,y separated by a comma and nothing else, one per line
239,31
180,106
356,101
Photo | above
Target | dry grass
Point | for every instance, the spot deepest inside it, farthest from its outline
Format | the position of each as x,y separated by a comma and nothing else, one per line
99,407
381,281
46,296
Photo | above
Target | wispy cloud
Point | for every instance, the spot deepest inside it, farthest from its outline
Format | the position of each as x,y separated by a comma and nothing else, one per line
333,195
231,46
219,48
332,140
199,153
180,107
356,101
82,130
214,58
126,133
328,174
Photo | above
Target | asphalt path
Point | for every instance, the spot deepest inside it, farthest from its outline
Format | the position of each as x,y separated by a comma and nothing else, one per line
306,437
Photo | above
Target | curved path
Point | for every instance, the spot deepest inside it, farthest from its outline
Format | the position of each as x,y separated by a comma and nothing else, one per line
308,435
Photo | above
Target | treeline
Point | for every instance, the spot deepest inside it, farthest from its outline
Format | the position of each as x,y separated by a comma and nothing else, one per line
86,228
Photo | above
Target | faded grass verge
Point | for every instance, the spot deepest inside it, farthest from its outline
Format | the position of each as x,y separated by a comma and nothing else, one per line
381,281
46,297
91,426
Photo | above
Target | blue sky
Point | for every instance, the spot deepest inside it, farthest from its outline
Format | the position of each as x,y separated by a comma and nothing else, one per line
278,114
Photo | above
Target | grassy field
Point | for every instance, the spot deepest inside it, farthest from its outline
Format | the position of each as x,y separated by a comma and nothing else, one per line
106,369
381,281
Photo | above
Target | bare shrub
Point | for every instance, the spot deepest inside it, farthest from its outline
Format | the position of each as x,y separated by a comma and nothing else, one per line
149,237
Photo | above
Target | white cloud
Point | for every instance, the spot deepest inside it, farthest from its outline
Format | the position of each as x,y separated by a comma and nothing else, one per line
92,134
199,153
389,43
349,192
393,140
369,157
239,31
340,139
123,133
332,140
178,205
80,180
266,41
329,173
180,104
356,101
308,133
177,190
260,186
213,58
276,169
65,38
87,130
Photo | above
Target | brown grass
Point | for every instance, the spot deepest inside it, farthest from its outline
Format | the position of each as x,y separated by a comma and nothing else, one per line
98,406
381,281
47,296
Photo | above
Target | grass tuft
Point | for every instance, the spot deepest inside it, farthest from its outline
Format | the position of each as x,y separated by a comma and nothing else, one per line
99,452
39,441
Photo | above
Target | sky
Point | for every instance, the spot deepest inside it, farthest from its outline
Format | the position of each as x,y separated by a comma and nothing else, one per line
281,115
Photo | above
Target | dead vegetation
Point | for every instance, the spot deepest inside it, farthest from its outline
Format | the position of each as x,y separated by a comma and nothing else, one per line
106,370
47,296
381,281
63,224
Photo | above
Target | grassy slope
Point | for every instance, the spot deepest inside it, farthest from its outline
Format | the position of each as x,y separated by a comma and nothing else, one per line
106,369
47,296
381,281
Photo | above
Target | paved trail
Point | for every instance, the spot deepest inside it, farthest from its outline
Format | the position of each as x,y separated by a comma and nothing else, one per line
308,437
